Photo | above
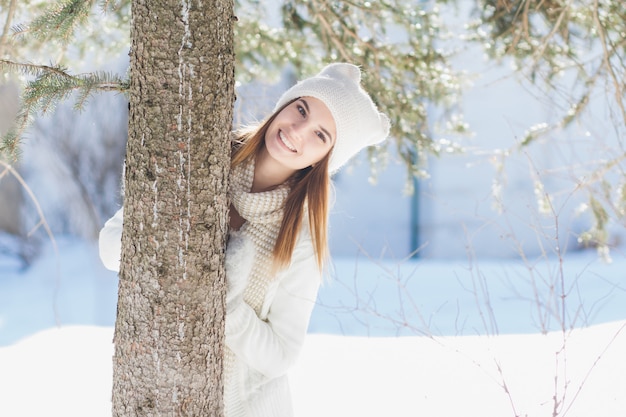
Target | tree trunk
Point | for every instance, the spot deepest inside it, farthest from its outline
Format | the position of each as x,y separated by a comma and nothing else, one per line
170,318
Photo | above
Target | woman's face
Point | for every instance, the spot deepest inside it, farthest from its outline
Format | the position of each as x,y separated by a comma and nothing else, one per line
301,134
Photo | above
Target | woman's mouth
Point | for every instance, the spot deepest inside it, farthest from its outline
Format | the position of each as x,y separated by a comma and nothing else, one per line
286,142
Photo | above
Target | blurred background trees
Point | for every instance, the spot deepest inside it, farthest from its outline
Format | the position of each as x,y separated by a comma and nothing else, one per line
569,54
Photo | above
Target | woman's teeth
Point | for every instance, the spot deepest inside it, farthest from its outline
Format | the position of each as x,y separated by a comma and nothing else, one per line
286,142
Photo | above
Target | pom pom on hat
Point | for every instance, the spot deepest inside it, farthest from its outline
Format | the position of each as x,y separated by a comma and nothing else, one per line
359,123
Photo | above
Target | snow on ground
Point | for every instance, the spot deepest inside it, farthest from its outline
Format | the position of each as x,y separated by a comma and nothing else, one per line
67,373
469,331
458,376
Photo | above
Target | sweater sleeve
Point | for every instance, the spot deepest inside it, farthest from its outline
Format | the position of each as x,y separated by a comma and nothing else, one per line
110,241
271,346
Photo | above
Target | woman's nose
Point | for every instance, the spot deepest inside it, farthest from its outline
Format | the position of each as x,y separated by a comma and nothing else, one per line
299,129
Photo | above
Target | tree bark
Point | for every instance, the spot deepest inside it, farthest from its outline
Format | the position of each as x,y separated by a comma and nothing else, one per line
170,319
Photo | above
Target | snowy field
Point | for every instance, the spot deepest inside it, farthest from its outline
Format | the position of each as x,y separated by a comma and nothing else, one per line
480,339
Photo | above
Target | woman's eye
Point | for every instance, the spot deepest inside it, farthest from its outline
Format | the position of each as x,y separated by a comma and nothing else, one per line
302,111
321,136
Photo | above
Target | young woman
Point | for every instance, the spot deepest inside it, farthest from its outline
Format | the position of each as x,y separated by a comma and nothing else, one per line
279,194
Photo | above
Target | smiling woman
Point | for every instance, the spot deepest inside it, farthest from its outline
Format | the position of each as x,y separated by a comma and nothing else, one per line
299,137
279,194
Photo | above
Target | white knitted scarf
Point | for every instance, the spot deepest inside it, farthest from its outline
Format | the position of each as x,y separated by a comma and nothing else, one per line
263,213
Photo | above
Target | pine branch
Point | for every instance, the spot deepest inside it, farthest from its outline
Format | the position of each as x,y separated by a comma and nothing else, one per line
51,85
31,69
59,21
9,148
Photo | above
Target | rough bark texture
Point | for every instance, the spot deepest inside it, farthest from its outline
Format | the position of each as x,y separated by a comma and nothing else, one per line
170,319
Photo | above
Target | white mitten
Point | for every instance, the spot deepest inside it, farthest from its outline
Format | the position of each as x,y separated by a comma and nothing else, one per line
240,254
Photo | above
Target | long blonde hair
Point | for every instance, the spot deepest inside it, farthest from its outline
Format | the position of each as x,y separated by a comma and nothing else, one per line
310,187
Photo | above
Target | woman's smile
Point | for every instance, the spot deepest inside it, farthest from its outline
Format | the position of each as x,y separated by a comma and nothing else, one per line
286,141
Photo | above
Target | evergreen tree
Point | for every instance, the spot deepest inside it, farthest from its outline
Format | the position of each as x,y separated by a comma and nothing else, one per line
572,52
170,317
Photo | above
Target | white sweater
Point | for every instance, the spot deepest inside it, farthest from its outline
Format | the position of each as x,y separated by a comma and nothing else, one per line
265,345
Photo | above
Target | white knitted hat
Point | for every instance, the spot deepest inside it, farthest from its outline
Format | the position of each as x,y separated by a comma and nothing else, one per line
359,123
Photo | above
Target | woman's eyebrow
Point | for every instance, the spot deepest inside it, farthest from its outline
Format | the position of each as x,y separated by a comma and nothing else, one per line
306,105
